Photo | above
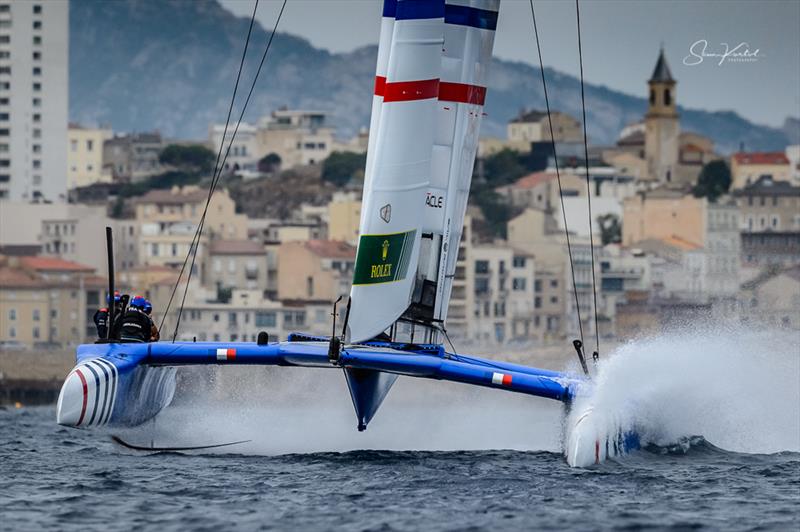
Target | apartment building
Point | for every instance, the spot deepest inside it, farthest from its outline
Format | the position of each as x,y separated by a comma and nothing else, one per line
244,153
79,235
315,270
747,168
344,217
247,313
167,221
34,46
238,264
85,156
503,293
533,126
47,302
770,222
133,157
299,137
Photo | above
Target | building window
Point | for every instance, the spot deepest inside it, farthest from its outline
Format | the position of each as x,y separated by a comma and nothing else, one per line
265,319
37,87
154,250
4,116
37,9
174,250
12,314
5,54
518,284
667,98
12,332
36,332
37,40
89,145
519,262
37,133
554,283
37,56
5,8
37,71
309,286
5,70
231,318
37,117
537,302
37,24
37,148
481,266
5,39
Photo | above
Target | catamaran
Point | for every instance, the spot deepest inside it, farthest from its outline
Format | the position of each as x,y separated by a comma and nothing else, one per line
430,89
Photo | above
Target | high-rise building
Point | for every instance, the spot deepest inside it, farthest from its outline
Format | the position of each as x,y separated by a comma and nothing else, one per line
34,43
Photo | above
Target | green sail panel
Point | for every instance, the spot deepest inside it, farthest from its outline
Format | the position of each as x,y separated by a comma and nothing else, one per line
383,258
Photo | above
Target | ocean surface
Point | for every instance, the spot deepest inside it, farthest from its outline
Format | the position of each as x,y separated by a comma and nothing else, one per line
57,478
720,413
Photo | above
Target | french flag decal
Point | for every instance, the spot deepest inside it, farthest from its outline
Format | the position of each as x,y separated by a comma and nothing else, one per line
226,354
501,379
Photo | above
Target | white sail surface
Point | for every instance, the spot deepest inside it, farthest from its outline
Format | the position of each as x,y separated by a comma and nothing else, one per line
384,47
469,37
393,207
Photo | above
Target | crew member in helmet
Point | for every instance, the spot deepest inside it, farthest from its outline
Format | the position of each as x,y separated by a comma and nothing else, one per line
155,336
101,316
135,325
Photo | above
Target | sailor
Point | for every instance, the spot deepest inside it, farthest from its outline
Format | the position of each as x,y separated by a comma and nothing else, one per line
101,315
155,336
101,322
135,325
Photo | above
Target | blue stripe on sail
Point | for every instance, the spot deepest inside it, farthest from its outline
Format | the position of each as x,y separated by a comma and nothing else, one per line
419,9
470,16
389,8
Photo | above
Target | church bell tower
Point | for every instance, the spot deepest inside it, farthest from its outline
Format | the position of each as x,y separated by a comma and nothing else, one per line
661,125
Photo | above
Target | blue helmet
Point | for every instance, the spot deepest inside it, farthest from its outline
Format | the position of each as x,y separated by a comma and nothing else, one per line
148,307
117,297
138,302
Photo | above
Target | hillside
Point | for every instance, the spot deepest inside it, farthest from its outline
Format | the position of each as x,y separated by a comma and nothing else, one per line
170,65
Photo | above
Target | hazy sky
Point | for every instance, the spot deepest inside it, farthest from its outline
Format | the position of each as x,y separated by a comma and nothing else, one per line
620,43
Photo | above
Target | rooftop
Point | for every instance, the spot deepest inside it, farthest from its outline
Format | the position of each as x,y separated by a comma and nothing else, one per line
236,247
173,196
775,157
331,249
661,73
533,180
53,264
529,116
766,186
19,278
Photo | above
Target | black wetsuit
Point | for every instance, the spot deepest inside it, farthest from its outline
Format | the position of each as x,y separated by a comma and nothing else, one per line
101,322
135,326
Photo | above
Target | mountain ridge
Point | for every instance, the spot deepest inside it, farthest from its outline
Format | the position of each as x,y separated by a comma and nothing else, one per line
170,65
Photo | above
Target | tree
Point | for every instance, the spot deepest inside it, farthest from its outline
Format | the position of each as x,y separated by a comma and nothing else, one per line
188,158
714,181
270,163
504,167
610,228
342,166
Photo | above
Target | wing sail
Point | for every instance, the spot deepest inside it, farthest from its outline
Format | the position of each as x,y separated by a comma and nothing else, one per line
393,206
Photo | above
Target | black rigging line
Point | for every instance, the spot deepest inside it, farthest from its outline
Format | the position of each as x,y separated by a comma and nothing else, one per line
588,184
216,165
222,164
558,173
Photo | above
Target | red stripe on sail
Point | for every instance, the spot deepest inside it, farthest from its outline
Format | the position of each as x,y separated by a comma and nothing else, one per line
85,395
380,86
462,93
406,91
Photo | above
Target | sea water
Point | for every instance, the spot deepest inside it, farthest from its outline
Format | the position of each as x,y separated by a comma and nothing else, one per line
720,411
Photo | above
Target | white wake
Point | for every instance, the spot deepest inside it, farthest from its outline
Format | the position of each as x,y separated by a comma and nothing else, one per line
738,389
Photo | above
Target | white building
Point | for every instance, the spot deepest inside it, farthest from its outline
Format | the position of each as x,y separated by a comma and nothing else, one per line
244,152
34,44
